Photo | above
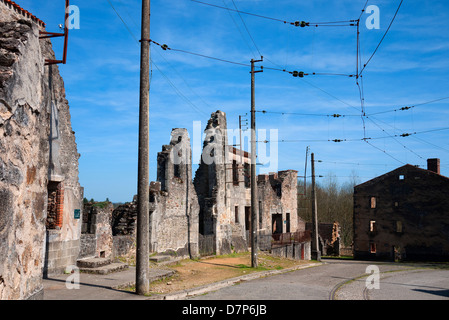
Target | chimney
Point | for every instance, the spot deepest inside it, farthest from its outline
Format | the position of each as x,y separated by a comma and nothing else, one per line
433,165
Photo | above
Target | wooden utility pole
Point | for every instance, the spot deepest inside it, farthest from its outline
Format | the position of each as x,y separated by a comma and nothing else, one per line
316,254
142,237
253,224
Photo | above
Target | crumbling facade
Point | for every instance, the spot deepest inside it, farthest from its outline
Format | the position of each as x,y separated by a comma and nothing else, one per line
329,239
174,205
223,188
278,206
212,214
96,231
403,215
40,196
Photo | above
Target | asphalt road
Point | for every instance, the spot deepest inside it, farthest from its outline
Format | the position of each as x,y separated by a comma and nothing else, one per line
344,280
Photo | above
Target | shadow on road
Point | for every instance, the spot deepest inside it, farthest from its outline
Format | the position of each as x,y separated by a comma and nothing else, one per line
442,293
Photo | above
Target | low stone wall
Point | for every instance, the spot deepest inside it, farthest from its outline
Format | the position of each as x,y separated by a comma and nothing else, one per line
296,251
59,255
88,246
123,245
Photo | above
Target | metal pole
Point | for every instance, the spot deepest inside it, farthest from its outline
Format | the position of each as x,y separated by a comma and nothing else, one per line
253,224
315,245
142,254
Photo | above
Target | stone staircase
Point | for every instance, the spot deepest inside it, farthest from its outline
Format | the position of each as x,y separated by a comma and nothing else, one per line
100,265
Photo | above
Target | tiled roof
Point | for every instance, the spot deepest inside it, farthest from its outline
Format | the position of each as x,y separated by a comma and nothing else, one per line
25,13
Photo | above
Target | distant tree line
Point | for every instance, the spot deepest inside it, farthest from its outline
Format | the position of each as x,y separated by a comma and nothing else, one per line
334,203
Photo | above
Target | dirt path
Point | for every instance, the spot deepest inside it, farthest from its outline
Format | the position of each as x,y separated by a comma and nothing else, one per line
194,273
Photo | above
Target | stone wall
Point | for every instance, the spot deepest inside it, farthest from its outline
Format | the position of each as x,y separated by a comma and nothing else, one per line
277,195
295,251
124,218
223,193
173,201
96,239
31,96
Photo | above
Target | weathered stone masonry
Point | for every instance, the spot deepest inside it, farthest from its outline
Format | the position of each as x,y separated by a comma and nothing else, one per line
37,157
174,205
212,214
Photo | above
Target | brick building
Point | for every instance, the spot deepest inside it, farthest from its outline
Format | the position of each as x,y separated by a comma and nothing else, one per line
403,214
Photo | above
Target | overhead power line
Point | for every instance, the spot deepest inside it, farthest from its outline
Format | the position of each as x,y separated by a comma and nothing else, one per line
176,90
381,40
347,23
403,135
299,74
165,47
335,115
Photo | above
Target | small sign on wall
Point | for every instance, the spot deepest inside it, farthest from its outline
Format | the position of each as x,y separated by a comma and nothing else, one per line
77,213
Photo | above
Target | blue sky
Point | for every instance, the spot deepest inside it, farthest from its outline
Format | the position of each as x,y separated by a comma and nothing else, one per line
410,67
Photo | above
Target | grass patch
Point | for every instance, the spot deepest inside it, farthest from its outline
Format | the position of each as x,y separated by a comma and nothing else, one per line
193,273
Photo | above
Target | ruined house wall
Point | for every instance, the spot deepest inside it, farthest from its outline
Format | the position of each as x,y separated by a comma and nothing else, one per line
174,207
277,195
96,238
27,89
238,197
217,194
409,210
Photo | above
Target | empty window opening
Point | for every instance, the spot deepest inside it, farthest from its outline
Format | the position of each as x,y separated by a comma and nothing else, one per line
287,222
236,217
102,254
276,223
373,202
247,175
176,171
55,207
235,173
260,214
401,177
279,190
247,218
372,226
399,226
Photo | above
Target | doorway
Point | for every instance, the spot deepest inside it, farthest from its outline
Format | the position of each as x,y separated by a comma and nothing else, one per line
276,223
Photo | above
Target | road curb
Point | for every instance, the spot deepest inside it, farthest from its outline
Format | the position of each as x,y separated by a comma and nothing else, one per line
188,293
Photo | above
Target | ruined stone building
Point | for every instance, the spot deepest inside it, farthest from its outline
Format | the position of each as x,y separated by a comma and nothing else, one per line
223,187
403,214
43,229
329,239
174,205
277,196
212,214
40,196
